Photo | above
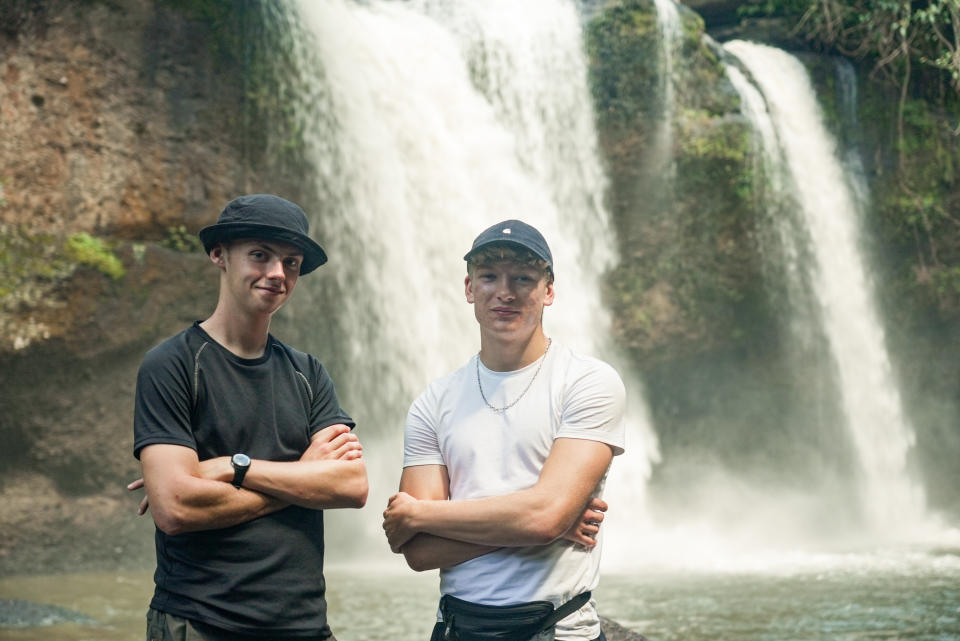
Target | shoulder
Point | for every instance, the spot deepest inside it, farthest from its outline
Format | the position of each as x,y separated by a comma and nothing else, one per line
305,363
449,384
178,349
580,370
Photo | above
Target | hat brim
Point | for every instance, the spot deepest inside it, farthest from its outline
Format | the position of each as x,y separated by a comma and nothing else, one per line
313,254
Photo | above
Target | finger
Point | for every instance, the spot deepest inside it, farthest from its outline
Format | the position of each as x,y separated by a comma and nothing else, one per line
598,505
348,448
331,432
135,485
346,437
593,517
143,506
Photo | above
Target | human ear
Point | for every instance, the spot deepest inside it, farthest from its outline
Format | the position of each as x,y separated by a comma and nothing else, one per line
218,255
548,296
468,288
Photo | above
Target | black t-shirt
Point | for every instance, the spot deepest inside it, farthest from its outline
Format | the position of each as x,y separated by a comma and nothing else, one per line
265,576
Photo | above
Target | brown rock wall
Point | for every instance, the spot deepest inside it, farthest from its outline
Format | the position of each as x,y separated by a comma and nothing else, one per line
90,141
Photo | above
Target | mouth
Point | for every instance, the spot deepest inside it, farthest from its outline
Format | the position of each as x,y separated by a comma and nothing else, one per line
505,312
273,291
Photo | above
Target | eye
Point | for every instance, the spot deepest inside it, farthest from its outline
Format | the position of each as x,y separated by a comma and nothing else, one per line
258,254
292,263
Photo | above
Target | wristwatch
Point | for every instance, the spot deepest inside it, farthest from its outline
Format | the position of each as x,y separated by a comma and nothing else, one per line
240,463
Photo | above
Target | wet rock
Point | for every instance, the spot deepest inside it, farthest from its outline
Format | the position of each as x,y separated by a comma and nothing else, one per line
17,613
616,632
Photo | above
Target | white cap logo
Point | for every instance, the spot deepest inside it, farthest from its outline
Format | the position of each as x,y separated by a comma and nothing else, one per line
506,231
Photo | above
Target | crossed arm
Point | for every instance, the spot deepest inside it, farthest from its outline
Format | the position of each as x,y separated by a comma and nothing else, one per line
185,494
433,532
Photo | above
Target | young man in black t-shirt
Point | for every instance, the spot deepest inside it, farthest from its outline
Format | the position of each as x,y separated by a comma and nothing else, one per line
243,444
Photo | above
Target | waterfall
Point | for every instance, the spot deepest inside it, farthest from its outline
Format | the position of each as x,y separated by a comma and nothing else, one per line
426,122
821,247
669,26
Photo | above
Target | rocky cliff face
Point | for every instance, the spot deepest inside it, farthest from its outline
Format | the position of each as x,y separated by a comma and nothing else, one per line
119,140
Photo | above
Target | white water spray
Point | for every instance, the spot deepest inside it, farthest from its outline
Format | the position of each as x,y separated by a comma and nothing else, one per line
802,158
437,120
669,26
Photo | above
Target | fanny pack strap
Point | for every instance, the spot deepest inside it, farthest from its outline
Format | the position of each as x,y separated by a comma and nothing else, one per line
566,609
448,629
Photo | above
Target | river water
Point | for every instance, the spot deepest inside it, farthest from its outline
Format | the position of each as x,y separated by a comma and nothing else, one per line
893,594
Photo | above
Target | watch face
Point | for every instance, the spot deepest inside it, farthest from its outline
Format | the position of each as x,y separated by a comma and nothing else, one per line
241,460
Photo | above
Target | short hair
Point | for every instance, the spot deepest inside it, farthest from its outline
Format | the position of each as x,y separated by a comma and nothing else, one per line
508,252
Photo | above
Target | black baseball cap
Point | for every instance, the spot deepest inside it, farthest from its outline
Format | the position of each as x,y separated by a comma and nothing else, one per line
266,217
514,232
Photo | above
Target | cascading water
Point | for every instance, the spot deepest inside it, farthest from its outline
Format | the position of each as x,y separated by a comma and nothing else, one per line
429,121
669,26
802,163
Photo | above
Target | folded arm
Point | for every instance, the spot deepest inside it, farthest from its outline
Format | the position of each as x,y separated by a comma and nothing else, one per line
330,473
558,505
426,551
185,494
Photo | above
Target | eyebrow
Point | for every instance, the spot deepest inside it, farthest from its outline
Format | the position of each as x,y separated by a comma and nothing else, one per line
274,249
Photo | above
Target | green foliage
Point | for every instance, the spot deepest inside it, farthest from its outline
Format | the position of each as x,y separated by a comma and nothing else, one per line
622,48
903,38
29,265
253,41
181,240
92,251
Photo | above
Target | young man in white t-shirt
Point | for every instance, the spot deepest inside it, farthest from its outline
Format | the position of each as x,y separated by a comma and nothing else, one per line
505,459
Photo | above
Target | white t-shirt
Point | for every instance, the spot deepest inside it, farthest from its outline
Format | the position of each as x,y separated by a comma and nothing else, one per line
489,453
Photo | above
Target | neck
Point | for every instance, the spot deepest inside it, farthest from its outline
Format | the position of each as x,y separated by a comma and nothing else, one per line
246,337
506,354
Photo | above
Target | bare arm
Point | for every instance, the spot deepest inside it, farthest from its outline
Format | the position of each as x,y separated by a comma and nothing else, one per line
330,473
535,516
182,500
426,551
186,495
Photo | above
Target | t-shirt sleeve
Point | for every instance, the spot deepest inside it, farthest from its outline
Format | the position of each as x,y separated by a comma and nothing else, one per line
594,406
325,408
163,401
421,445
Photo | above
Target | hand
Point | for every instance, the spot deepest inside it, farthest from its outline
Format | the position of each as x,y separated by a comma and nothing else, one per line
395,520
334,443
145,502
584,530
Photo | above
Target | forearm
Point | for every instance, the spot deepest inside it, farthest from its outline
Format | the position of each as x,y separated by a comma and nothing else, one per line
196,504
429,552
528,517
315,484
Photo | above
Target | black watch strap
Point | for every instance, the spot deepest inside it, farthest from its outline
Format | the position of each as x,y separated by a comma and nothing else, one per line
240,463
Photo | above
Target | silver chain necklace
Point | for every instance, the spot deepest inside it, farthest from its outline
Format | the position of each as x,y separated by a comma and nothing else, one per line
543,358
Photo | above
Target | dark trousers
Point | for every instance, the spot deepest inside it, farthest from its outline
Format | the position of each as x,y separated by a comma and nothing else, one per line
162,626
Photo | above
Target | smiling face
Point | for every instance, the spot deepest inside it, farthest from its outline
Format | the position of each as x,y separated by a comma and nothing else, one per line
508,291
258,275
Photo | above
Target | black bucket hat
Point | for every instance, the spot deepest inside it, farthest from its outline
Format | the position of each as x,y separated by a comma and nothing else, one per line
514,232
266,217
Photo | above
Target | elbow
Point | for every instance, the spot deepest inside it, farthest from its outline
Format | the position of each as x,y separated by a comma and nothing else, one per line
170,522
354,488
547,526
359,495
416,561
419,565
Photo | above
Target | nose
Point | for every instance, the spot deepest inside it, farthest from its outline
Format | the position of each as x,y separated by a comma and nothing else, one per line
275,269
504,289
